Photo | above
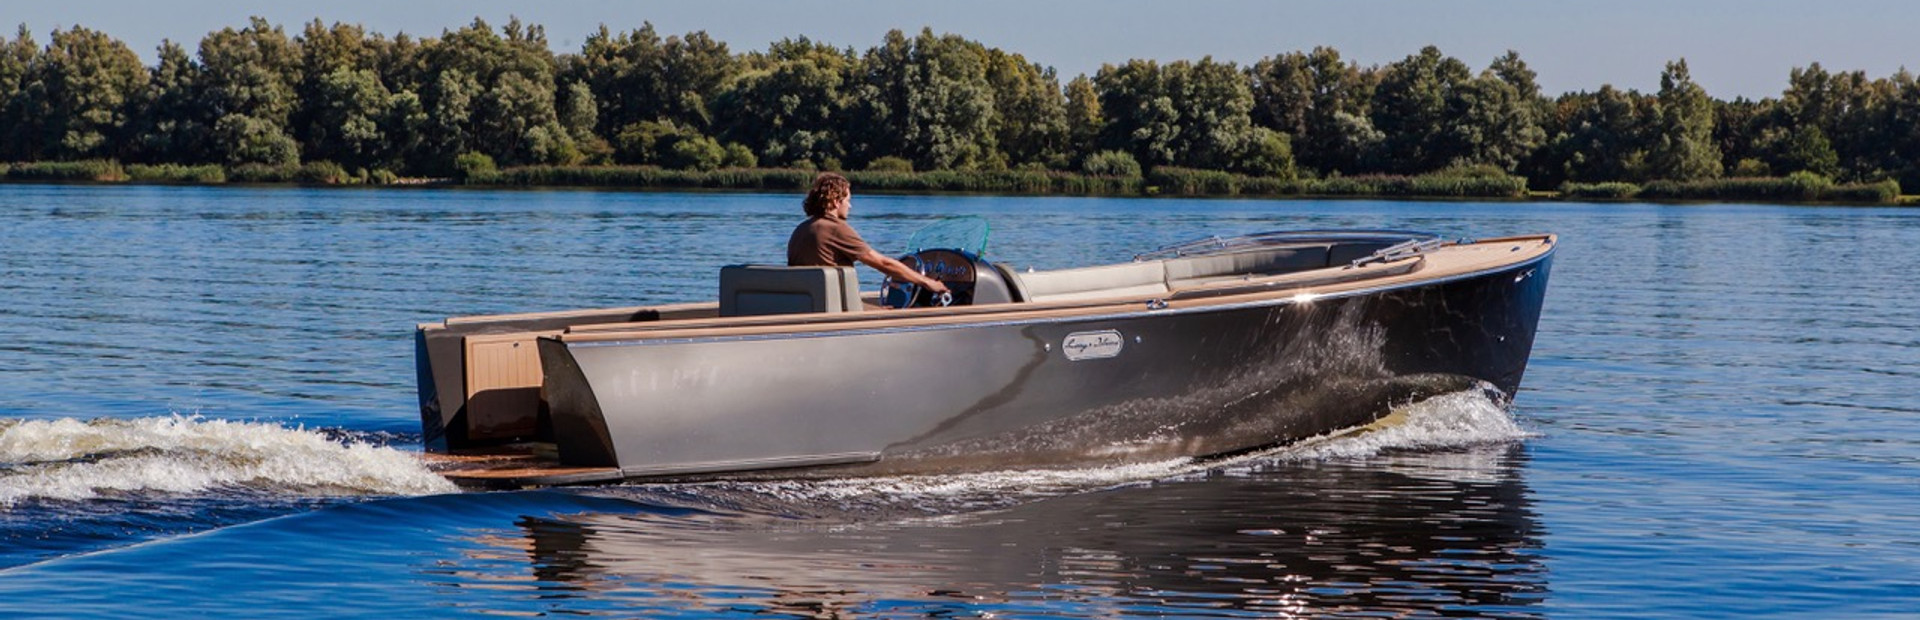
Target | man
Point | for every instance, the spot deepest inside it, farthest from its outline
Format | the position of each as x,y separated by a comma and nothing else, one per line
827,240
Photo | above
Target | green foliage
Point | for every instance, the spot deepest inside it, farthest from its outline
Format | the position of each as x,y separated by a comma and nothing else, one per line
1885,192
1269,154
207,174
249,140
739,156
321,173
382,176
1805,149
694,152
960,116
788,179
474,167
95,170
1414,105
1750,167
787,106
1682,147
1421,186
654,177
1797,187
1171,180
1599,191
927,99
261,173
1029,109
997,181
890,164
89,85
1111,164
1181,114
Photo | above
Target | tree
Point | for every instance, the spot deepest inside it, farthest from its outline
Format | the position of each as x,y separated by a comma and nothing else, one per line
1141,119
492,93
249,92
1414,106
1085,120
21,96
926,99
580,116
787,107
1214,102
250,140
1029,109
1319,101
1269,154
1494,124
1683,148
1598,136
169,125
638,76
1804,148
1193,114
91,83
349,105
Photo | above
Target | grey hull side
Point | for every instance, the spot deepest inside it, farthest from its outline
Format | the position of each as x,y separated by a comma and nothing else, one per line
1136,385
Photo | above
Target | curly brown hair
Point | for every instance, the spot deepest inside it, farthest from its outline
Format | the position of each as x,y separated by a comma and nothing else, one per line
828,188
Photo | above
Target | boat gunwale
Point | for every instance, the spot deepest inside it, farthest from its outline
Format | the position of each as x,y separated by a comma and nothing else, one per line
1107,309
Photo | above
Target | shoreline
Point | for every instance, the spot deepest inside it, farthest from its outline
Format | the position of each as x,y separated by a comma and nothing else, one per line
1162,183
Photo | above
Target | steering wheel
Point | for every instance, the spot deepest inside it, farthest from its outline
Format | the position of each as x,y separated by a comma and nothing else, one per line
910,292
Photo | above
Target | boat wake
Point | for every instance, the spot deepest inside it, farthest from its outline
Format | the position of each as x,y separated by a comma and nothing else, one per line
1440,433
1454,420
76,460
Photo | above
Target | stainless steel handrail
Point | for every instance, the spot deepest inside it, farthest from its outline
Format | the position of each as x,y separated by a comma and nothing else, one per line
1216,244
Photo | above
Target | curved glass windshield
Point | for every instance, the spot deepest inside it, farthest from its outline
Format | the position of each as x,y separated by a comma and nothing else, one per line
966,233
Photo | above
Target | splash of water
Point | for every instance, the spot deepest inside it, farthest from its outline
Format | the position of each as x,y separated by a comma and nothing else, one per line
70,459
1442,430
1455,420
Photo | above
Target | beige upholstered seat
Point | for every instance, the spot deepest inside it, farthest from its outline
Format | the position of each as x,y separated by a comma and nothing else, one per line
1122,280
1157,277
747,290
1196,270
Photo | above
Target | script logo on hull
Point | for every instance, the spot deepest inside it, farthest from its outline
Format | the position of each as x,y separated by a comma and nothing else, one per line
1092,345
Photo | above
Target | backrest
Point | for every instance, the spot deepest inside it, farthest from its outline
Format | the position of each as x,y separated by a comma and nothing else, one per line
1191,270
1124,279
749,290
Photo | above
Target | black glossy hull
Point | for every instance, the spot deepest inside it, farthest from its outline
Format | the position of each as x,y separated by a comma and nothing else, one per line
1133,385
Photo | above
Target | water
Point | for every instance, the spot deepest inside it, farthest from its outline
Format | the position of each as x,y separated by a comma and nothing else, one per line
206,409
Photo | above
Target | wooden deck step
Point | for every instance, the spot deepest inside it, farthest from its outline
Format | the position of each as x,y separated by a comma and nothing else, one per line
513,467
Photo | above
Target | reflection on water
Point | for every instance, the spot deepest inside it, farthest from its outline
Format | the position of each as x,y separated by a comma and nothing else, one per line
1753,366
1416,533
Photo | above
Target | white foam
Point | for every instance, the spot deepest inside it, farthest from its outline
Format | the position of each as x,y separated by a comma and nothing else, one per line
1455,420
69,459
1440,433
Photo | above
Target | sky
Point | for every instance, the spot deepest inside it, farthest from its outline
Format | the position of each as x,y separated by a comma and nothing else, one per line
1734,48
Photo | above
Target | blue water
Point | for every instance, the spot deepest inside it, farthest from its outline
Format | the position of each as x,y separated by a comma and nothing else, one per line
206,409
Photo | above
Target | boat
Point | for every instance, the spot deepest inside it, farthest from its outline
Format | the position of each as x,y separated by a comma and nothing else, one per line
1201,349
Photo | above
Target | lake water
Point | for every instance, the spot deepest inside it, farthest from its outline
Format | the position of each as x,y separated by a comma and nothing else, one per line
207,409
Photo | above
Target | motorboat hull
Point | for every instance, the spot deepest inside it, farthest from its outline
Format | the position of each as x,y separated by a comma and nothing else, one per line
1137,382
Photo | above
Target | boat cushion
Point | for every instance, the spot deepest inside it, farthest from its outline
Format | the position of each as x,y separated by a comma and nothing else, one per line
1193,270
748,290
1122,280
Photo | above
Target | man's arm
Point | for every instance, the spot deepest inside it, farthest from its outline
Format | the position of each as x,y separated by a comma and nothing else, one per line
899,271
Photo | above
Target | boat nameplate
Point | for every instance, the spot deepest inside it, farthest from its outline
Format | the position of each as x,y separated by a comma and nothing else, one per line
1092,345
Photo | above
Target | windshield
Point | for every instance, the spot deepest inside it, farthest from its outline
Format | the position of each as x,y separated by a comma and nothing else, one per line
966,233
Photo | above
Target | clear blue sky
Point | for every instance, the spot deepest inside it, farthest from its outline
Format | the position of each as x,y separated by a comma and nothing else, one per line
1734,47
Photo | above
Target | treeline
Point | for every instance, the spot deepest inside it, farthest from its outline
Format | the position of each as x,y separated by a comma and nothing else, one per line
336,103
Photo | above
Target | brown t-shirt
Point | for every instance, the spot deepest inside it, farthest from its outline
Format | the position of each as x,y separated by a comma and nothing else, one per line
824,242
